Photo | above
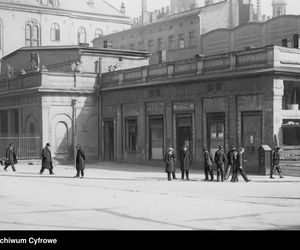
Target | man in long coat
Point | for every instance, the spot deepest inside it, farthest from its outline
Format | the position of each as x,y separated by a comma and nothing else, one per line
238,168
47,160
231,157
170,161
80,162
186,162
276,163
208,164
220,159
11,158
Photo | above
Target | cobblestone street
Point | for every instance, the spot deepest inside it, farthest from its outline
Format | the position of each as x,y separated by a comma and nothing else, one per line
131,197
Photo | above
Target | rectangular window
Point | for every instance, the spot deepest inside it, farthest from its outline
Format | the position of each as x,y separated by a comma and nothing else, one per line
160,44
217,129
151,46
192,37
156,138
171,43
131,135
132,46
181,41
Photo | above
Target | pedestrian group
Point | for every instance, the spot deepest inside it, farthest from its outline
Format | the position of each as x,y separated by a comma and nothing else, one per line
234,160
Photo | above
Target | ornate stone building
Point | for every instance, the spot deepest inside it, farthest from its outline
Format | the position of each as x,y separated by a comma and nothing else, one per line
56,22
51,93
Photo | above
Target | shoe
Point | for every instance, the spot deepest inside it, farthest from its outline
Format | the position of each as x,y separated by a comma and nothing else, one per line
248,180
52,174
272,177
81,177
76,176
5,169
281,177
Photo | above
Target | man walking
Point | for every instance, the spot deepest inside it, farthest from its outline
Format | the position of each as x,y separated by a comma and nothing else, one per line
47,160
238,168
186,162
11,158
170,161
80,162
231,158
276,163
208,164
220,159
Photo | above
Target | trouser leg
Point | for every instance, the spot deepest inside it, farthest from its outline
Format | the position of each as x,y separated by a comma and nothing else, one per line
206,170
174,175
187,175
42,170
279,171
51,171
211,172
169,176
227,173
82,172
244,175
222,172
218,172
182,174
234,175
13,167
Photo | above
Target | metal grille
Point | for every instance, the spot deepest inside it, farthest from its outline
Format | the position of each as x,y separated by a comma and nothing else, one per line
27,147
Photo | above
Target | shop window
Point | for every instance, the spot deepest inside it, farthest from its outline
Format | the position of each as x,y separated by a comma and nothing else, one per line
217,130
156,138
291,132
131,135
291,95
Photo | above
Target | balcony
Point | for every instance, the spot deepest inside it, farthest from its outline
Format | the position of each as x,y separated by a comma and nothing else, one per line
241,61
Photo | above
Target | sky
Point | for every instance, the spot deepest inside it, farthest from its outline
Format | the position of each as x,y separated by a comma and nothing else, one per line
133,7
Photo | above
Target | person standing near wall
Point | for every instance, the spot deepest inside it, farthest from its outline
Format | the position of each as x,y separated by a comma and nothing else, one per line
208,164
276,163
231,158
11,158
47,160
170,161
220,159
186,162
80,162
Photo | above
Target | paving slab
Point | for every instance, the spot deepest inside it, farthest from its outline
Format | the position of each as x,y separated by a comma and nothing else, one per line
133,197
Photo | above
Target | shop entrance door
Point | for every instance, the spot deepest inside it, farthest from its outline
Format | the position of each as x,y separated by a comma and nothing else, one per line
216,131
184,132
251,139
109,141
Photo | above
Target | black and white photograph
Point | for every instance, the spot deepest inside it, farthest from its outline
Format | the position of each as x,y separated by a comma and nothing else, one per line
147,115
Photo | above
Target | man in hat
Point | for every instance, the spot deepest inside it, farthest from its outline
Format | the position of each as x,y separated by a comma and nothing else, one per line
80,162
231,158
11,158
170,161
276,163
186,162
47,160
220,159
238,168
208,164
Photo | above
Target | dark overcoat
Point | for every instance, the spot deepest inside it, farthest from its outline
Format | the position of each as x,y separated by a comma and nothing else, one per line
80,159
46,159
231,157
239,160
220,157
208,159
276,158
170,161
11,156
186,160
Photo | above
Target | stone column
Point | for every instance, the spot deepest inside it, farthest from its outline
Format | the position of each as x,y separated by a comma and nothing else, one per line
44,126
169,124
142,132
119,145
198,156
232,121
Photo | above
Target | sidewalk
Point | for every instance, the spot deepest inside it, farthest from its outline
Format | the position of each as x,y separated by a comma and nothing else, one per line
132,197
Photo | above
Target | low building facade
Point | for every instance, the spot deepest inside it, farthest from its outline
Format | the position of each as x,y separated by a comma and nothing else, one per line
235,99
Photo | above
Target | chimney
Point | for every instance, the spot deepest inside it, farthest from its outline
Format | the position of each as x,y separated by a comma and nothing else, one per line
123,11
259,16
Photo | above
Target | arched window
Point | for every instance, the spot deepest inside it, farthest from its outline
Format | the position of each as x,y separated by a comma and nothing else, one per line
81,35
55,32
61,137
98,33
32,34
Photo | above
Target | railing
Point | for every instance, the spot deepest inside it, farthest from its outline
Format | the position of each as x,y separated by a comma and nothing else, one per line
265,57
27,147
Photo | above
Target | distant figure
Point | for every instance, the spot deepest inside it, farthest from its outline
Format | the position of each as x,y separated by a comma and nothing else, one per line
80,162
276,163
220,159
231,157
186,162
11,158
170,161
238,168
208,164
47,160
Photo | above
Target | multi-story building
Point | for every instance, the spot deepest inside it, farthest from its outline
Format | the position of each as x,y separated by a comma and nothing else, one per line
56,22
